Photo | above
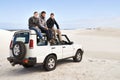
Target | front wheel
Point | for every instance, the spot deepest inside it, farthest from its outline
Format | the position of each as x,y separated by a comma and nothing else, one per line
78,56
50,63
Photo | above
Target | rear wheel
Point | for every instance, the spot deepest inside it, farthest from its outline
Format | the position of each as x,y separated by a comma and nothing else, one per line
78,56
50,63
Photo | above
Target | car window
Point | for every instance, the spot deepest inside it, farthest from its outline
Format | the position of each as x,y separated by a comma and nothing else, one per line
55,42
23,37
20,39
64,39
43,42
58,42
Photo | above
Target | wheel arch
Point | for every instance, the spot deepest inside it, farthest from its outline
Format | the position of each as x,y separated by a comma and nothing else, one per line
80,50
49,55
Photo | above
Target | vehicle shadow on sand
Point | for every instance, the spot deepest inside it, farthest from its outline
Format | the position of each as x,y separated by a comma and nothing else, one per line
37,68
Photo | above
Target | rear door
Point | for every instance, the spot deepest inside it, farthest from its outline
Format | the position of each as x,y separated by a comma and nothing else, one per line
23,37
57,49
41,48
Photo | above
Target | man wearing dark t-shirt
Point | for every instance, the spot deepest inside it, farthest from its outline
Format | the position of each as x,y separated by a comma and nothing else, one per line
50,24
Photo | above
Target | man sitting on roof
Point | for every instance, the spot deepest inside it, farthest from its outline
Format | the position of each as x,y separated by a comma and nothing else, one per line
33,24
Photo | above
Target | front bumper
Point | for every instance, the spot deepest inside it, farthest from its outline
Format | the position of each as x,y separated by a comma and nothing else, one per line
28,61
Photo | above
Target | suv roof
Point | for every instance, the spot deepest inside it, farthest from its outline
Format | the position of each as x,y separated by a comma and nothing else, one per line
22,31
29,31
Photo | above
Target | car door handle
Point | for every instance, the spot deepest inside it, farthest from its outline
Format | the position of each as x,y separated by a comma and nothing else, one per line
63,47
53,47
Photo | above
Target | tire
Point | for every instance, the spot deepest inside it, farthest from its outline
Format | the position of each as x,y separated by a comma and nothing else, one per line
19,50
50,63
27,66
78,56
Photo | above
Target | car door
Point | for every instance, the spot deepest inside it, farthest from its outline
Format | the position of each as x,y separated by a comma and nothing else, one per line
67,51
67,48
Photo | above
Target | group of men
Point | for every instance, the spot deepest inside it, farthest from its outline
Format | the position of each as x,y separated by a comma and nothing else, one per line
39,24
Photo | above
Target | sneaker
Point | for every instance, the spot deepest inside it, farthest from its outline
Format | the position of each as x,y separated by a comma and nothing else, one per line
52,42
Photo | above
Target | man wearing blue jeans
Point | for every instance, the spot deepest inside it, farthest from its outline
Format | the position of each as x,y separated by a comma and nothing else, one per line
37,30
34,24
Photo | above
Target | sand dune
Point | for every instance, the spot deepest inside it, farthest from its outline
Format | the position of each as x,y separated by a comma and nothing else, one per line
103,43
5,38
101,59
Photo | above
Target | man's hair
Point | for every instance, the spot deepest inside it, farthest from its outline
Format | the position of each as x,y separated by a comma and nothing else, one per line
43,12
35,12
52,14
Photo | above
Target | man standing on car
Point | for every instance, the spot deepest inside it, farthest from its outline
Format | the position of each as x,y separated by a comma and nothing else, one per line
43,25
50,23
33,24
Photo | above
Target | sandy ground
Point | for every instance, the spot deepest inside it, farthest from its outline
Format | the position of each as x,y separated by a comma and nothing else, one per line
101,59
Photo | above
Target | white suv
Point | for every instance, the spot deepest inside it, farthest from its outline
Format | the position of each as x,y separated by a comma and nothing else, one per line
27,49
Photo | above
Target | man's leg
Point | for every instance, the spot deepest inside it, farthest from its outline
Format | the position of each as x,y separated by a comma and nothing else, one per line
60,35
37,30
47,33
50,34
54,33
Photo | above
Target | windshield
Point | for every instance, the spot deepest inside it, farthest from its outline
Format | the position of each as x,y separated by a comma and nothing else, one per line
23,37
